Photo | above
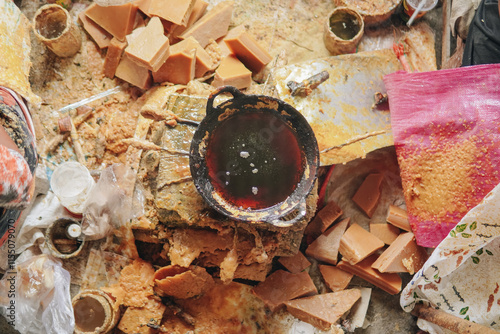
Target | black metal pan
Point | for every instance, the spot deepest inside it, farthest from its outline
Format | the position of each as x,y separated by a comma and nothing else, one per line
254,158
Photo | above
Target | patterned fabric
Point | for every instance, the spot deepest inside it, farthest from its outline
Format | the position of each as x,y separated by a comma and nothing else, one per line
16,170
15,179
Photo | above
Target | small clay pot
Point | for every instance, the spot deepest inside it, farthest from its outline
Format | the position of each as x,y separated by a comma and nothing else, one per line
343,30
94,312
53,26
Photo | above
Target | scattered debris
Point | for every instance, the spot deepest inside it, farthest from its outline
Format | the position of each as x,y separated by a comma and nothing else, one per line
306,87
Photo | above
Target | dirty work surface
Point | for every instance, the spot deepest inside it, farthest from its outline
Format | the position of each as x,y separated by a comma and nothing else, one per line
293,28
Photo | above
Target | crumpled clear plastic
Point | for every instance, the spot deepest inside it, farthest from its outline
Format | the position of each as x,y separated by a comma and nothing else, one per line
112,202
36,297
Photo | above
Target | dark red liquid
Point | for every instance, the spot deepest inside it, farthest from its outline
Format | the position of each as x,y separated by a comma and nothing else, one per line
254,160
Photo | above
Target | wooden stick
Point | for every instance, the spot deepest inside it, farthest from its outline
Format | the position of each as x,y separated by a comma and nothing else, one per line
80,156
450,322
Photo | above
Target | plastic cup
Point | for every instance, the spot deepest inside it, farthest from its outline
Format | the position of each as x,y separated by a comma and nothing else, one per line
71,182
409,7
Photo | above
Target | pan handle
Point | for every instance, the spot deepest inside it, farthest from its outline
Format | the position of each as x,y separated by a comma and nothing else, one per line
302,210
224,89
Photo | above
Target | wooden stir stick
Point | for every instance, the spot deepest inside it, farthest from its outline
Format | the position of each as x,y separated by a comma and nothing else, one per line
451,322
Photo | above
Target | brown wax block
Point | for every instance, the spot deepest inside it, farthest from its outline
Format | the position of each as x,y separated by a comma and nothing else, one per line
296,263
282,286
113,57
403,255
98,34
150,48
357,244
390,283
326,247
212,25
175,11
117,20
336,279
385,232
179,68
398,217
323,311
134,74
232,72
368,194
247,49
199,8
323,219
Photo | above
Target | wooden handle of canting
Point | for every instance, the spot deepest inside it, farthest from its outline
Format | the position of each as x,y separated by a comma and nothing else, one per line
451,322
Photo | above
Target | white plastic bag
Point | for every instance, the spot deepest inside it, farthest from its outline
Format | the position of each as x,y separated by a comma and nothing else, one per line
112,202
36,298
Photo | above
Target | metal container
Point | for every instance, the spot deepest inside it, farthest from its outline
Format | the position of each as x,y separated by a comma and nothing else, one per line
254,158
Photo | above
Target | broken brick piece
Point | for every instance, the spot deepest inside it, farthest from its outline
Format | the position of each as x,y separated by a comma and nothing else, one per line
296,263
357,244
368,194
326,247
282,286
335,278
323,311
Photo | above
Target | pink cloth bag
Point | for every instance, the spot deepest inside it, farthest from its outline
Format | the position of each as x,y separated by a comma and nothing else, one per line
446,127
